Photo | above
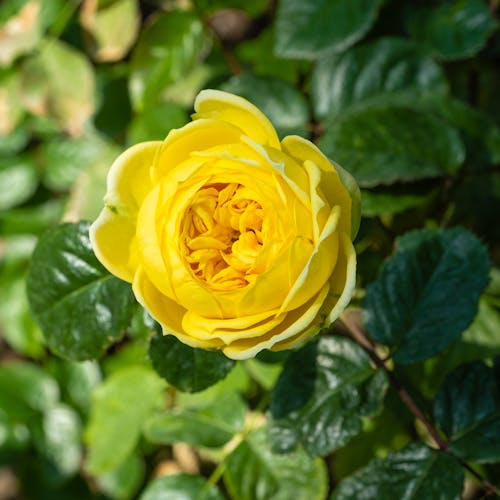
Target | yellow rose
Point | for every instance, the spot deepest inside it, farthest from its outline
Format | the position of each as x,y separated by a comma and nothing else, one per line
231,239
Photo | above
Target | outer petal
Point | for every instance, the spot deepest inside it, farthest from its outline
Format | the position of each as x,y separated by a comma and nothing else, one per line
296,322
167,312
342,283
113,233
337,185
238,111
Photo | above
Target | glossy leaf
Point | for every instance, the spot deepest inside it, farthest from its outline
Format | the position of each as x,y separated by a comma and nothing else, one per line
387,69
80,308
324,390
180,487
385,145
307,30
253,471
120,406
467,409
167,49
427,294
210,426
454,29
188,369
416,472
278,100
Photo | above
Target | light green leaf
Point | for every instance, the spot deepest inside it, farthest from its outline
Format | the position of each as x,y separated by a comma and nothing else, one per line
123,482
120,406
19,180
181,487
253,472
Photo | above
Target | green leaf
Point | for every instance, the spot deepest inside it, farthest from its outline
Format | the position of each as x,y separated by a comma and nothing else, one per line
59,82
24,389
120,406
79,306
454,29
113,28
308,30
324,390
467,409
19,175
63,159
167,50
384,201
253,471
181,487
156,123
416,472
280,101
188,369
58,441
387,69
259,55
10,101
210,426
123,482
20,29
389,144
427,294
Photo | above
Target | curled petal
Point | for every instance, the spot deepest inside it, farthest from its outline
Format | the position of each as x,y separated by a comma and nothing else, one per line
233,109
113,233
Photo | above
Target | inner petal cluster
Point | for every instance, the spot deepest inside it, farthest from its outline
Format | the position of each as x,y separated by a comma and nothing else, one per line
222,236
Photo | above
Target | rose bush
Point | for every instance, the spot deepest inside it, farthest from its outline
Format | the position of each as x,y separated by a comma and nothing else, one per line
231,239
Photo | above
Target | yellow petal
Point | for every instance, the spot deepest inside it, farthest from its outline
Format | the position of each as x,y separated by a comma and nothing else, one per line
318,267
295,322
331,185
113,233
196,136
237,111
167,312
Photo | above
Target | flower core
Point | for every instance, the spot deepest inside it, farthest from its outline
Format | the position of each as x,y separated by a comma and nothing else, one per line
222,236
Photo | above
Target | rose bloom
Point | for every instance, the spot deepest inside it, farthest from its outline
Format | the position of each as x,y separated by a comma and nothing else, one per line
231,238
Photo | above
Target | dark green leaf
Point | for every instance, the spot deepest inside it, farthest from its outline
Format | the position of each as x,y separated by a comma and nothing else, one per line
167,49
19,180
79,306
58,441
307,30
120,407
210,426
427,293
180,487
385,201
253,472
454,29
416,472
324,390
385,145
467,408
281,102
388,69
188,369
156,123
24,389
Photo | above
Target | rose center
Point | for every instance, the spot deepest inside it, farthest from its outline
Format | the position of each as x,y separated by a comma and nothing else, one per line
222,237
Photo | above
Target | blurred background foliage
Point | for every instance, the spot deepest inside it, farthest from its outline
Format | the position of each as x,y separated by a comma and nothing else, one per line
403,94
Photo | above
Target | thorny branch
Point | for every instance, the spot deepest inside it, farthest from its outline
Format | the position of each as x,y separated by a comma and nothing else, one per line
351,322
